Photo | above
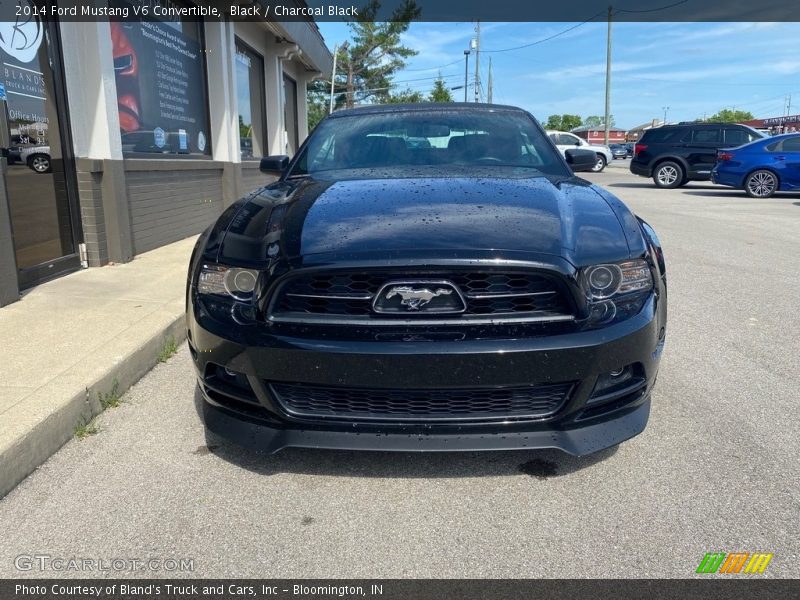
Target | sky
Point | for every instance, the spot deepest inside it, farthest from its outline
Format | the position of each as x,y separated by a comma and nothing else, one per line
694,69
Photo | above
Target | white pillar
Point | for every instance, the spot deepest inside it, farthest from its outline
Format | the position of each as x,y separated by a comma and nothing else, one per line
91,89
222,102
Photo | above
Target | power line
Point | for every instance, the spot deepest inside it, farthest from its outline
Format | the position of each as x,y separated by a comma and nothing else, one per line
547,39
433,68
649,10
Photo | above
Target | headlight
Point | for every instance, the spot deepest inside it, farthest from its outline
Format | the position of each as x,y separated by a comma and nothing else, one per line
234,282
616,291
607,281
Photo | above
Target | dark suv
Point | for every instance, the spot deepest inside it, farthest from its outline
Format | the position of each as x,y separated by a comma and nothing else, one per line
675,154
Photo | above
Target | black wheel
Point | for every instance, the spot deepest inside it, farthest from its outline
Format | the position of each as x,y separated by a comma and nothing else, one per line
668,175
761,184
39,163
600,164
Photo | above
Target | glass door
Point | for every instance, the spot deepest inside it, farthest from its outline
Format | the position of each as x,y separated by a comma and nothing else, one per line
40,178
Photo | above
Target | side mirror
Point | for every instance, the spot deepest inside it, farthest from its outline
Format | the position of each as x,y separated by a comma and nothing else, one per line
274,165
581,160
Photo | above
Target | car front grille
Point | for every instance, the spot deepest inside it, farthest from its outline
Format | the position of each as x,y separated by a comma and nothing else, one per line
489,295
477,404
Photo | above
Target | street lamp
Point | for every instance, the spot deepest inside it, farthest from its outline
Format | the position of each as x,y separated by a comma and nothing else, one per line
666,108
466,72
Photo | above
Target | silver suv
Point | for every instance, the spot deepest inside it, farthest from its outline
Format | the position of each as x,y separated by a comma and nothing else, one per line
566,141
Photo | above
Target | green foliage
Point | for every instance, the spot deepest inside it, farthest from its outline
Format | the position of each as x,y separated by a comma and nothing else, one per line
169,350
110,399
365,66
85,429
564,122
318,102
245,130
595,121
440,93
406,97
726,115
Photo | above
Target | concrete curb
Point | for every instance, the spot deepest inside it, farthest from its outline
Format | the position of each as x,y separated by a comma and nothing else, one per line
69,402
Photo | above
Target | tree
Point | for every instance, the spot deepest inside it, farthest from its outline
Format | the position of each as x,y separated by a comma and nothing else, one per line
563,122
726,115
595,121
318,99
375,54
440,93
406,97
245,130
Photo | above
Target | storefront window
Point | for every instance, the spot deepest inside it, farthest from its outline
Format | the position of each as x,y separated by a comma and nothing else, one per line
39,179
162,96
250,98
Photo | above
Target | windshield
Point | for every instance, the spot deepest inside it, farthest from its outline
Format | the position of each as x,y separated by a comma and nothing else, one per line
446,141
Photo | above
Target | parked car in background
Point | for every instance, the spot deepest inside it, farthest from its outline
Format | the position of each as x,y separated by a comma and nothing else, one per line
761,168
618,151
629,147
37,158
676,154
565,141
468,294
22,151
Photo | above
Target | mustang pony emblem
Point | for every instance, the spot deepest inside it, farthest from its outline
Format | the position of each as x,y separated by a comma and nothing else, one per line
416,298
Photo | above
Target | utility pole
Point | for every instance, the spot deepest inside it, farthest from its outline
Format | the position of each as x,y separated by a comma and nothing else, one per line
341,48
333,75
608,79
489,96
466,72
665,109
477,60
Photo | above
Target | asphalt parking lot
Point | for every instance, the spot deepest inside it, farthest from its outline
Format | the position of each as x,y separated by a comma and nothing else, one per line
715,470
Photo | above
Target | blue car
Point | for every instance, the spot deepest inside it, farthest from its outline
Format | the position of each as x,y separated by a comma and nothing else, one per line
761,168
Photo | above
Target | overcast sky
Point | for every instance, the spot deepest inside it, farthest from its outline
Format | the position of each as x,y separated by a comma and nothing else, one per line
693,68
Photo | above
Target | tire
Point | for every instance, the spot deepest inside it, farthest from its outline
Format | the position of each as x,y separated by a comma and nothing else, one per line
761,184
600,164
668,175
39,163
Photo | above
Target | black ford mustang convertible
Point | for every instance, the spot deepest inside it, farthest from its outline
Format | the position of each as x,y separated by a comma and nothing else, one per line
465,293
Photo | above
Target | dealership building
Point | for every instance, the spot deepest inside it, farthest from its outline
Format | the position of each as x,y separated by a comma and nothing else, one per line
122,136
597,134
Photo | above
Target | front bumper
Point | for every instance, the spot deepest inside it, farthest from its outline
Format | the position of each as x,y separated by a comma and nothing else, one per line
590,438
581,425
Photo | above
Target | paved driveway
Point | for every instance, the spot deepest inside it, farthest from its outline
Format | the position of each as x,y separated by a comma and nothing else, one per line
716,469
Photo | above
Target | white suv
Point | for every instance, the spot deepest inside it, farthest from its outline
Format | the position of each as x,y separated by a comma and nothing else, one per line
565,141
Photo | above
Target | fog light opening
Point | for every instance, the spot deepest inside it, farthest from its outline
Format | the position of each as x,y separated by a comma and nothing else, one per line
615,381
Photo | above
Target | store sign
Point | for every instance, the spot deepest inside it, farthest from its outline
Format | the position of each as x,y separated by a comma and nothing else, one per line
782,120
20,36
161,89
21,77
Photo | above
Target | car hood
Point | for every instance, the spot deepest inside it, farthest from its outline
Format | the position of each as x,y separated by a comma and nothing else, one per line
567,217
